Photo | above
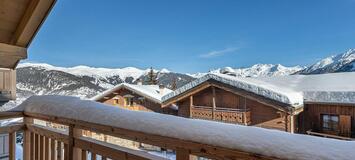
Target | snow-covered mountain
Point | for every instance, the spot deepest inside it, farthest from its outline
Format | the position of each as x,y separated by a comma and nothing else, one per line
257,70
82,81
344,62
85,82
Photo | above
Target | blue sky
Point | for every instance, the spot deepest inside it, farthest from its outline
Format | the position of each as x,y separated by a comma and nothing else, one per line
193,35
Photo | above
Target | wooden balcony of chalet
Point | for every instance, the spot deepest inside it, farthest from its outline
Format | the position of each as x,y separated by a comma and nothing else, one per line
187,137
228,115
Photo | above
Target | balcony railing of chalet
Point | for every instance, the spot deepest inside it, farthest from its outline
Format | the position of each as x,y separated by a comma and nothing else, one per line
229,115
186,136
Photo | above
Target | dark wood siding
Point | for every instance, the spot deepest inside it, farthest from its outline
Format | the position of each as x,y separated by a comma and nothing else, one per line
261,115
310,118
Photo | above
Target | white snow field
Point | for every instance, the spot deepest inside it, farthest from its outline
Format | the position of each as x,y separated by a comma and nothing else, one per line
244,138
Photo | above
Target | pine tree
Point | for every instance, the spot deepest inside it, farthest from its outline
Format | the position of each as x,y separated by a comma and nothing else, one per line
152,77
174,85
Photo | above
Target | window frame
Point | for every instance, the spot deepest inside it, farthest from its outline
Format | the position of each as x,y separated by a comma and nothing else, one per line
332,123
128,101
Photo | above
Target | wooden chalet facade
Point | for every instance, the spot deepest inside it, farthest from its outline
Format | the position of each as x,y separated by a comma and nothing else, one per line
216,101
328,119
321,113
136,97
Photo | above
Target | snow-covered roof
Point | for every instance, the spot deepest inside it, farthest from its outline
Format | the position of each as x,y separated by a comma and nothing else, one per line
151,92
292,89
256,140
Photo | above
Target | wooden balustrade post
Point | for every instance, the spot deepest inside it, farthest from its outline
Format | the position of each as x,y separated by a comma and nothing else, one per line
213,102
41,148
27,146
77,152
182,154
12,146
191,105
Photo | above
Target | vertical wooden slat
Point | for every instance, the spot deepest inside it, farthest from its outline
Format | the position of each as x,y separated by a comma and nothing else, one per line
33,146
93,156
28,140
59,150
12,146
67,152
191,105
213,102
26,145
182,154
83,155
53,150
37,150
46,149
41,154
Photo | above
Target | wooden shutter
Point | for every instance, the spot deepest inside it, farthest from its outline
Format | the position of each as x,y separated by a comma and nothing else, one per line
345,125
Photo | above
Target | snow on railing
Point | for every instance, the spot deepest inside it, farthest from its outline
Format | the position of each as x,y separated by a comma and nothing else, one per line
208,136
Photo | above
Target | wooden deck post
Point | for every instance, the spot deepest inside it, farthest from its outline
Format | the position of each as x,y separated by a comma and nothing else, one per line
292,123
12,146
182,154
27,140
213,102
77,152
191,105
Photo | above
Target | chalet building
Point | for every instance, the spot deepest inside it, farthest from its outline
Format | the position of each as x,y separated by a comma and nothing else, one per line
322,104
136,97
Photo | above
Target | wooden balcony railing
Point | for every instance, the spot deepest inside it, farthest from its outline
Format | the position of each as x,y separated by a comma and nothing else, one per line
310,132
185,136
229,115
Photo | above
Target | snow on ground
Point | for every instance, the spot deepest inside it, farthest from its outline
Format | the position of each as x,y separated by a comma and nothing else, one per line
245,138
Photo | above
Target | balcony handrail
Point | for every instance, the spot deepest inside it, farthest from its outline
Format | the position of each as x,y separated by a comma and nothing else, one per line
186,136
310,132
223,109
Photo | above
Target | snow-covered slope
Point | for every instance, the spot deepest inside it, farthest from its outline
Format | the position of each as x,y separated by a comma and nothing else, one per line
338,63
104,77
257,70
82,81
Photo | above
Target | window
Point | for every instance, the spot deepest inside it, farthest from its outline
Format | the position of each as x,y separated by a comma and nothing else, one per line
128,101
115,101
330,122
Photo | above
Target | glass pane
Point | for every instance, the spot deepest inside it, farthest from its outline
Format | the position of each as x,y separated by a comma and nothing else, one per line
335,118
326,118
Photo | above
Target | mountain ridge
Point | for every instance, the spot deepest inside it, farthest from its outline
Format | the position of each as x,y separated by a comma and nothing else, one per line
86,82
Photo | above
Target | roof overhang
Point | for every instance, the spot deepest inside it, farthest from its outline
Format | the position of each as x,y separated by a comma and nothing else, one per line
20,21
212,83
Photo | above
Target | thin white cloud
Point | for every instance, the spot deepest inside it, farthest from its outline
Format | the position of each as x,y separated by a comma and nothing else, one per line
218,53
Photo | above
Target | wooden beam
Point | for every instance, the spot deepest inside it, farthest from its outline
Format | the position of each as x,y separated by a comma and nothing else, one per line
183,96
8,115
161,141
113,151
11,128
213,102
34,16
7,50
